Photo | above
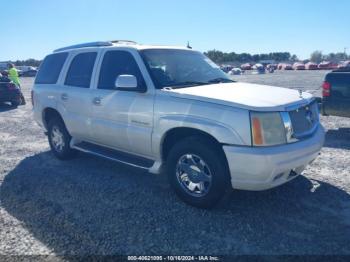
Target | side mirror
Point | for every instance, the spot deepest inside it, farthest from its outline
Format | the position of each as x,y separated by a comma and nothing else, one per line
126,82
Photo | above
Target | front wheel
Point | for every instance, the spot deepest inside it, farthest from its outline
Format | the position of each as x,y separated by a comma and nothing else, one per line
59,140
198,172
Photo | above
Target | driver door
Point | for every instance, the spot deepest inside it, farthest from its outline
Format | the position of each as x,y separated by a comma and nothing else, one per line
122,119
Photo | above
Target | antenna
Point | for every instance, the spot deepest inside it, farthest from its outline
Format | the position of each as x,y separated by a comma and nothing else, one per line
188,45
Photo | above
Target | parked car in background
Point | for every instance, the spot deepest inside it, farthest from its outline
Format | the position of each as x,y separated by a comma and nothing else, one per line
246,66
344,64
287,67
311,66
29,73
324,65
9,92
258,69
298,66
172,110
235,71
3,66
226,68
336,93
272,66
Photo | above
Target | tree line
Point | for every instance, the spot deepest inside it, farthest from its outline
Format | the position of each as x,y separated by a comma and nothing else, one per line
222,57
316,56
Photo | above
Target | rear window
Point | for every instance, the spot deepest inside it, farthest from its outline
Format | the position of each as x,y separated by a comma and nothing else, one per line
340,83
80,70
50,69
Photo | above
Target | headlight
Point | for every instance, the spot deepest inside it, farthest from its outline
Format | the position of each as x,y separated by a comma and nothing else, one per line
267,129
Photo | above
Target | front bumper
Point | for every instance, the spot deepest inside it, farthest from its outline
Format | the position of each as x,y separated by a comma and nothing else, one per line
260,168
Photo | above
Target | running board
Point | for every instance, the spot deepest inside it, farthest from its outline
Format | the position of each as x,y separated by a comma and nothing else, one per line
114,155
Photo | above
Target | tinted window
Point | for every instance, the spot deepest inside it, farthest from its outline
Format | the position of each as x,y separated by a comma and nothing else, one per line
117,63
50,69
340,84
80,70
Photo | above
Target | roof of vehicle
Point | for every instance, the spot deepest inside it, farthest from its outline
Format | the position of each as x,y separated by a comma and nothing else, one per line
117,43
342,70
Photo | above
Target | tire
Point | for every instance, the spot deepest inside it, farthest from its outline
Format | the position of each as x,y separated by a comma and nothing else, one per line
15,103
59,140
23,100
209,160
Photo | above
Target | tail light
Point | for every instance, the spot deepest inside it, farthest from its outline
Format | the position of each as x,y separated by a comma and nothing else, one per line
326,89
32,97
11,86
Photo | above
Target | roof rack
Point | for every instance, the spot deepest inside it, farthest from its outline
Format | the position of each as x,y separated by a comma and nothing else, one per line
95,44
91,44
123,42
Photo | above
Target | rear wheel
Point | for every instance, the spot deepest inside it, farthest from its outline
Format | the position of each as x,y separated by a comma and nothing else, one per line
59,139
198,172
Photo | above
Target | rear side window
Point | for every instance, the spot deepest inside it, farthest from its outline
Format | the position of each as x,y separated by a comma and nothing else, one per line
80,70
117,63
50,68
340,83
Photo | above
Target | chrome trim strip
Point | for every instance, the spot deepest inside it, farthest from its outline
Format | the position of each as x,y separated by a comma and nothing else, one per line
287,122
110,158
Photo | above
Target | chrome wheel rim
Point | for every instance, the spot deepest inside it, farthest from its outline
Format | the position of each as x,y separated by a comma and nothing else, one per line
194,175
57,139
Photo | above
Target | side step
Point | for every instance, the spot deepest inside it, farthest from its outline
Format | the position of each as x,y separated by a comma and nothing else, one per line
115,155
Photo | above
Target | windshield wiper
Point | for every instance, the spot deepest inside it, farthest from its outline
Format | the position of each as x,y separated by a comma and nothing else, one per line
220,80
187,84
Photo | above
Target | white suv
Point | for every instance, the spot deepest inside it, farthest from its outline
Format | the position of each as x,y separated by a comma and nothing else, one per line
171,108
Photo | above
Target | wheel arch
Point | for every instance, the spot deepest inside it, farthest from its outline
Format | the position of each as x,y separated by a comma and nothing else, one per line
178,133
50,113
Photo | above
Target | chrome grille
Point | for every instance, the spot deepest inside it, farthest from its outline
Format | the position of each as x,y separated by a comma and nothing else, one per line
304,120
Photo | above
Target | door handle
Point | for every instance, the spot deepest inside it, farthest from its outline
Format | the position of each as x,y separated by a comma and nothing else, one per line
97,101
64,97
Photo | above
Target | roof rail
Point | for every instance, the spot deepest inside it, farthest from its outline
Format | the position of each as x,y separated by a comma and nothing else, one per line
91,44
123,42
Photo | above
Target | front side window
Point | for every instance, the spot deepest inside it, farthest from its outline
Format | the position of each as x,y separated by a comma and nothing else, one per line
80,70
177,68
50,68
116,63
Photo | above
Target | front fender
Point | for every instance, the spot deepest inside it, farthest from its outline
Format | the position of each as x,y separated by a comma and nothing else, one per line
221,132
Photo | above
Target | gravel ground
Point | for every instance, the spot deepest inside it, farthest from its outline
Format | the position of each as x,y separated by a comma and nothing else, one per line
94,206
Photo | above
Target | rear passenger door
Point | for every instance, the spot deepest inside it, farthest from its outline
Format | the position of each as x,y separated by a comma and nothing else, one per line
122,119
339,101
75,95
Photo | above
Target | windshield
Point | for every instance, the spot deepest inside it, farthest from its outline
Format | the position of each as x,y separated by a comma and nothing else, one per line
181,68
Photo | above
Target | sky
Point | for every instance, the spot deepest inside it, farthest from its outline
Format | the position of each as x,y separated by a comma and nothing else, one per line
34,28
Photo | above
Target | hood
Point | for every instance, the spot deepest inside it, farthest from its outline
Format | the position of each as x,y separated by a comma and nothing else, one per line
245,95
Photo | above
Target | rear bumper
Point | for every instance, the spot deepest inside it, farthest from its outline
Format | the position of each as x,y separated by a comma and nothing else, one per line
254,168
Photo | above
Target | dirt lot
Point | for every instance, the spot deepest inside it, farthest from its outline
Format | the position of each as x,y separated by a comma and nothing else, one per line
94,206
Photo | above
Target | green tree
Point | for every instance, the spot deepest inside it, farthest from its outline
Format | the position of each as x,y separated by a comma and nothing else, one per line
316,57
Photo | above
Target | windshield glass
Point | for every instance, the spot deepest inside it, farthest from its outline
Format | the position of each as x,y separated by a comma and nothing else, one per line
181,68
